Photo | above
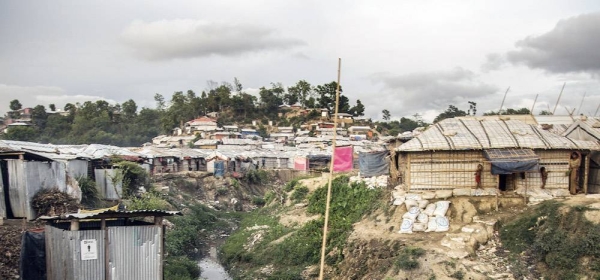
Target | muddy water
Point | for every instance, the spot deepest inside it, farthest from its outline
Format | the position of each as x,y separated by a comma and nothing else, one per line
211,268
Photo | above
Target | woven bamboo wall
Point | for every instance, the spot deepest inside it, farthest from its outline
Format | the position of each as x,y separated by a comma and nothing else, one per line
456,169
557,165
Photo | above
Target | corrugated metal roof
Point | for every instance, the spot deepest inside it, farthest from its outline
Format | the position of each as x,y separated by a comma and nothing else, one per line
107,214
471,134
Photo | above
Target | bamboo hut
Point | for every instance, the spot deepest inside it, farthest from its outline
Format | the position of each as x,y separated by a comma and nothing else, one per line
490,153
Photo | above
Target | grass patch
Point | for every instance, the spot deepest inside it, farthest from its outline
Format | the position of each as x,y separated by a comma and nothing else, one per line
149,201
302,246
557,235
408,258
299,194
180,268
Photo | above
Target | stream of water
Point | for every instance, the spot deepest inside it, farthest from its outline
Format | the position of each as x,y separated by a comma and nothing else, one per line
211,268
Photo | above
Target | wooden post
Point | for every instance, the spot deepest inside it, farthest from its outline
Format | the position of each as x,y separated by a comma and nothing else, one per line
104,228
158,221
408,184
586,174
74,225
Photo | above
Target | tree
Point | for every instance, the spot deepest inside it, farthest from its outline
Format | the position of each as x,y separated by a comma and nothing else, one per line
52,107
39,116
358,110
326,96
160,101
545,113
15,105
509,111
129,108
386,114
451,112
303,90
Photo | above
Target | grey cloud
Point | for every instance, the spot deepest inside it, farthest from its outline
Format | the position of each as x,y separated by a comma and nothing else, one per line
186,38
572,46
418,92
493,61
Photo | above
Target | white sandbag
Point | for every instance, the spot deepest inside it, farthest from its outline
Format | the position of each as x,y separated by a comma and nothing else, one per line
419,227
423,203
406,226
560,193
412,213
443,194
422,218
428,195
461,192
411,203
429,209
413,196
478,192
442,224
441,207
431,225
398,202
398,194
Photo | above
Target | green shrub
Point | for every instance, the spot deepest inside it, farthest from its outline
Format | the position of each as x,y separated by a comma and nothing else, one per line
269,196
299,194
133,176
256,177
149,201
558,236
222,191
181,268
90,197
408,258
258,201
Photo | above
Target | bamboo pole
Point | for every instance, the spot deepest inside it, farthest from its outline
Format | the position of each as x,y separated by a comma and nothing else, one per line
581,103
534,101
333,142
502,104
558,100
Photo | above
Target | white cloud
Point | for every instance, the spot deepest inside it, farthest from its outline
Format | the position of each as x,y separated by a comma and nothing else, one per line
31,96
186,38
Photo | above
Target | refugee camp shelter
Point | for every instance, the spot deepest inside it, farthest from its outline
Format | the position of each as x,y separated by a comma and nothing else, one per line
108,244
588,129
510,154
27,168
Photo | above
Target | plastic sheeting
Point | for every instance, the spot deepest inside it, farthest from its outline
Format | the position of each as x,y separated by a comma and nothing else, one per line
343,159
373,164
509,161
33,256
219,168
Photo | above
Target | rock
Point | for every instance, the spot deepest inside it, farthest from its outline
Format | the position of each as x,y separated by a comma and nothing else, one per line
461,192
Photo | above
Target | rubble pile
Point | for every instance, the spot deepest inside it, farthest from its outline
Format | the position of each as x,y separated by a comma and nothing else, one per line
53,202
371,182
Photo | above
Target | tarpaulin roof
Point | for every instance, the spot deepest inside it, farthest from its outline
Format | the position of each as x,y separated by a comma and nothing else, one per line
508,161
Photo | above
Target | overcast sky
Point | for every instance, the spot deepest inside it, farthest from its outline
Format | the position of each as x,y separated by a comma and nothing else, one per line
405,56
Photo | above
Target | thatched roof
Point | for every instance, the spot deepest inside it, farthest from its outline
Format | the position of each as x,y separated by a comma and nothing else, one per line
473,134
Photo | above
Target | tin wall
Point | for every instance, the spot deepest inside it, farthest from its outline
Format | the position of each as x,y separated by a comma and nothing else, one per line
63,255
105,185
2,203
135,252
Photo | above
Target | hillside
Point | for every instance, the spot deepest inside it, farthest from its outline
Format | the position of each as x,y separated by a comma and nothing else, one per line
282,240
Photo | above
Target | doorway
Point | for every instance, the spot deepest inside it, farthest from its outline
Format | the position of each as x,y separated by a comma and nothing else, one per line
4,170
502,179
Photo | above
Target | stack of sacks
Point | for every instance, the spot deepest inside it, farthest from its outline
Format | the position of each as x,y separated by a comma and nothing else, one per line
371,182
422,216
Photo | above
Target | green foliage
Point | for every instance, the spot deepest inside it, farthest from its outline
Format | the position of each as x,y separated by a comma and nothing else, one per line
149,201
408,258
289,186
509,111
192,229
557,235
451,112
459,274
134,177
300,247
269,196
20,133
90,197
258,201
222,191
181,268
256,177
299,194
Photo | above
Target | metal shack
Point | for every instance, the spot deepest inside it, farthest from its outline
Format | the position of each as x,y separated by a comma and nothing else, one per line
105,245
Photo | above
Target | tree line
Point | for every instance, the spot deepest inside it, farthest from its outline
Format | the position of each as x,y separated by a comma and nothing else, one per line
126,125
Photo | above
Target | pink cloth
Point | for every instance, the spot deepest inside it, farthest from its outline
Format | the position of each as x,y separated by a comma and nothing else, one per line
301,163
343,159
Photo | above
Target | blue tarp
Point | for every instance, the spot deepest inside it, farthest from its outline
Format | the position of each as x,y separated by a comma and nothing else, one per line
509,161
373,164
219,168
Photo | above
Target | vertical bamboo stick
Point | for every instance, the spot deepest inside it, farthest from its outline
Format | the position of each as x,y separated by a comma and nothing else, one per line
333,142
